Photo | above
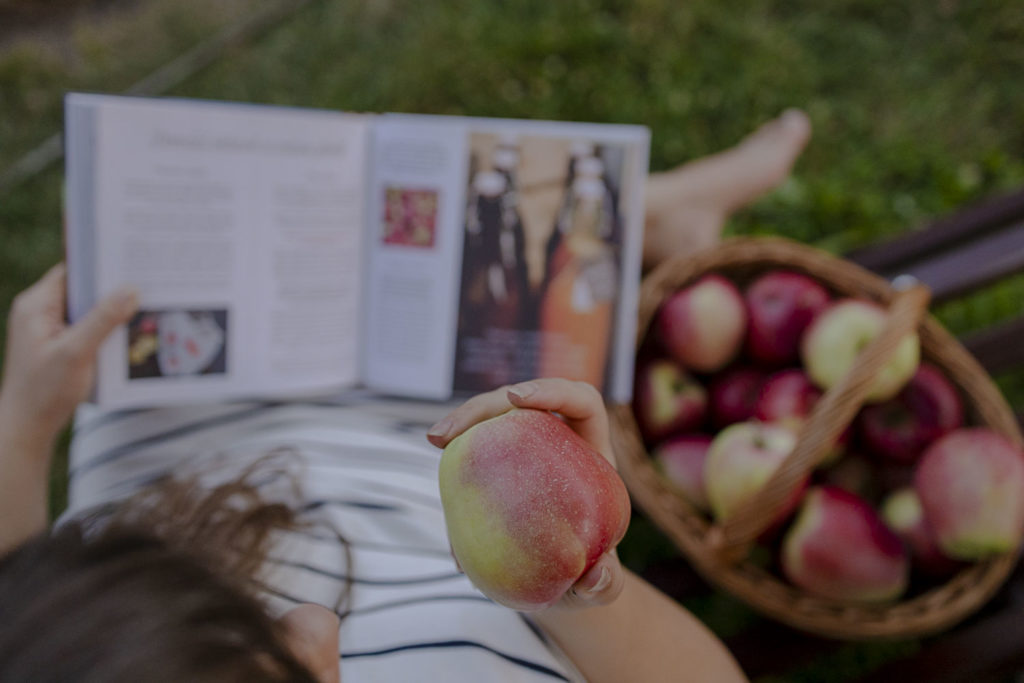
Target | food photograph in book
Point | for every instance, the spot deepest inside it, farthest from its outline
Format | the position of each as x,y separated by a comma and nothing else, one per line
177,343
410,216
541,260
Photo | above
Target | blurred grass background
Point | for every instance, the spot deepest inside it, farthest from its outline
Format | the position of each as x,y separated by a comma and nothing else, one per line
917,107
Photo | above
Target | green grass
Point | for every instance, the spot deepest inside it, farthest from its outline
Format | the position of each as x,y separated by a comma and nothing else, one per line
917,106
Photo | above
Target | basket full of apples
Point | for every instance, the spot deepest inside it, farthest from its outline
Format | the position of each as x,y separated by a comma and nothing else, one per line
817,445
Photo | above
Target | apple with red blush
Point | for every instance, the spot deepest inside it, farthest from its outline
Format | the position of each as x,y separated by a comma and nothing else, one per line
902,511
681,461
971,486
839,548
780,306
839,333
667,400
530,507
787,398
927,408
740,461
703,325
734,395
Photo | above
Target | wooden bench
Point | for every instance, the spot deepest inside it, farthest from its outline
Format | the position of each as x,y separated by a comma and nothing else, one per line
954,256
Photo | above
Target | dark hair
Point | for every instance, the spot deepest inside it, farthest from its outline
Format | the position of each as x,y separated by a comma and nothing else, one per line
159,590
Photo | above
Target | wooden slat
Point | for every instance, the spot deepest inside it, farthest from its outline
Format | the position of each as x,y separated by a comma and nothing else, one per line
998,348
942,235
988,646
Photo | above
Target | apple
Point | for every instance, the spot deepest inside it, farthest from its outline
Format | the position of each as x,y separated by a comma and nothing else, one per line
734,394
854,473
741,459
702,325
681,462
780,306
667,400
902,427
971,485
902,511
836,337
839,548
787,398
530,507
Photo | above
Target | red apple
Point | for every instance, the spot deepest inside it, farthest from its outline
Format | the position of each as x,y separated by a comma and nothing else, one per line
902,511
530,507
681,461
787,398
836,337
971,485
780,305
733,395
838,548
854,473
740,461
902,427
702,326
667,400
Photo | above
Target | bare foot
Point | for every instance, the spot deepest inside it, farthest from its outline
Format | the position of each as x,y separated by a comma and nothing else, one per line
687,207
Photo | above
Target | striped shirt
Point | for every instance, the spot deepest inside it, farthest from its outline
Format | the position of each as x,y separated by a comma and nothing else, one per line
367,472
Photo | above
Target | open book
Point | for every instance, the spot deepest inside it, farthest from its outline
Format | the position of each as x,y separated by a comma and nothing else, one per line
284,251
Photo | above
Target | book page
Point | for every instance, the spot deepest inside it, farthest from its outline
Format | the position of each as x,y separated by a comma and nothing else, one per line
535,236
415,206
241,226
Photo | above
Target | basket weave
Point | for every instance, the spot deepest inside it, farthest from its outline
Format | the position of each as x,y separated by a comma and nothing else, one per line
719,552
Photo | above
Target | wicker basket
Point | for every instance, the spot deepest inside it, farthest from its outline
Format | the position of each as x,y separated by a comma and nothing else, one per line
719,552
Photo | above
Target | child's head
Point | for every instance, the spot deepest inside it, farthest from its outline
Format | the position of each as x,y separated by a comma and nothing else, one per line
162,591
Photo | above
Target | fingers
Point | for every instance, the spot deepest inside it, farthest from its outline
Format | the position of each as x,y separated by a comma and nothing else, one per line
311,632
85,336
600,585
578,402
477,409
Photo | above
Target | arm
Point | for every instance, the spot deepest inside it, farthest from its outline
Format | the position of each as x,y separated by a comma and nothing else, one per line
49,369
642,636
612,624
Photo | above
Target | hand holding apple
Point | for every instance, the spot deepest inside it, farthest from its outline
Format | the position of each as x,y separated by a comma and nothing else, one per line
534,507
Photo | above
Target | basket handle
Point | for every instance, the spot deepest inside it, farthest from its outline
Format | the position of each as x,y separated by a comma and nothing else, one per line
829,417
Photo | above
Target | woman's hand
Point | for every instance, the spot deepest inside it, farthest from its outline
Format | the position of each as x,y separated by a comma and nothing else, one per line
582,408
49,367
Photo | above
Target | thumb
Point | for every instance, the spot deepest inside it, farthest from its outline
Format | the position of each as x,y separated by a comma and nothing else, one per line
599,585
87,334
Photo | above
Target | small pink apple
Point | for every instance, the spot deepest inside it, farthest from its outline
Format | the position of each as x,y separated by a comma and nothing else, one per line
781,304
902,511
902,427
741,459
971,486
838,334
681,461
839,548
734,394
702,325
667,400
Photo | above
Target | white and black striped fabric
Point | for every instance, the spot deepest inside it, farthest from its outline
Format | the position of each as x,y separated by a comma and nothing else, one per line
368,473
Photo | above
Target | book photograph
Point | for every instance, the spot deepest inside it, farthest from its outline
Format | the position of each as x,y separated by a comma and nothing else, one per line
541,260
175,343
